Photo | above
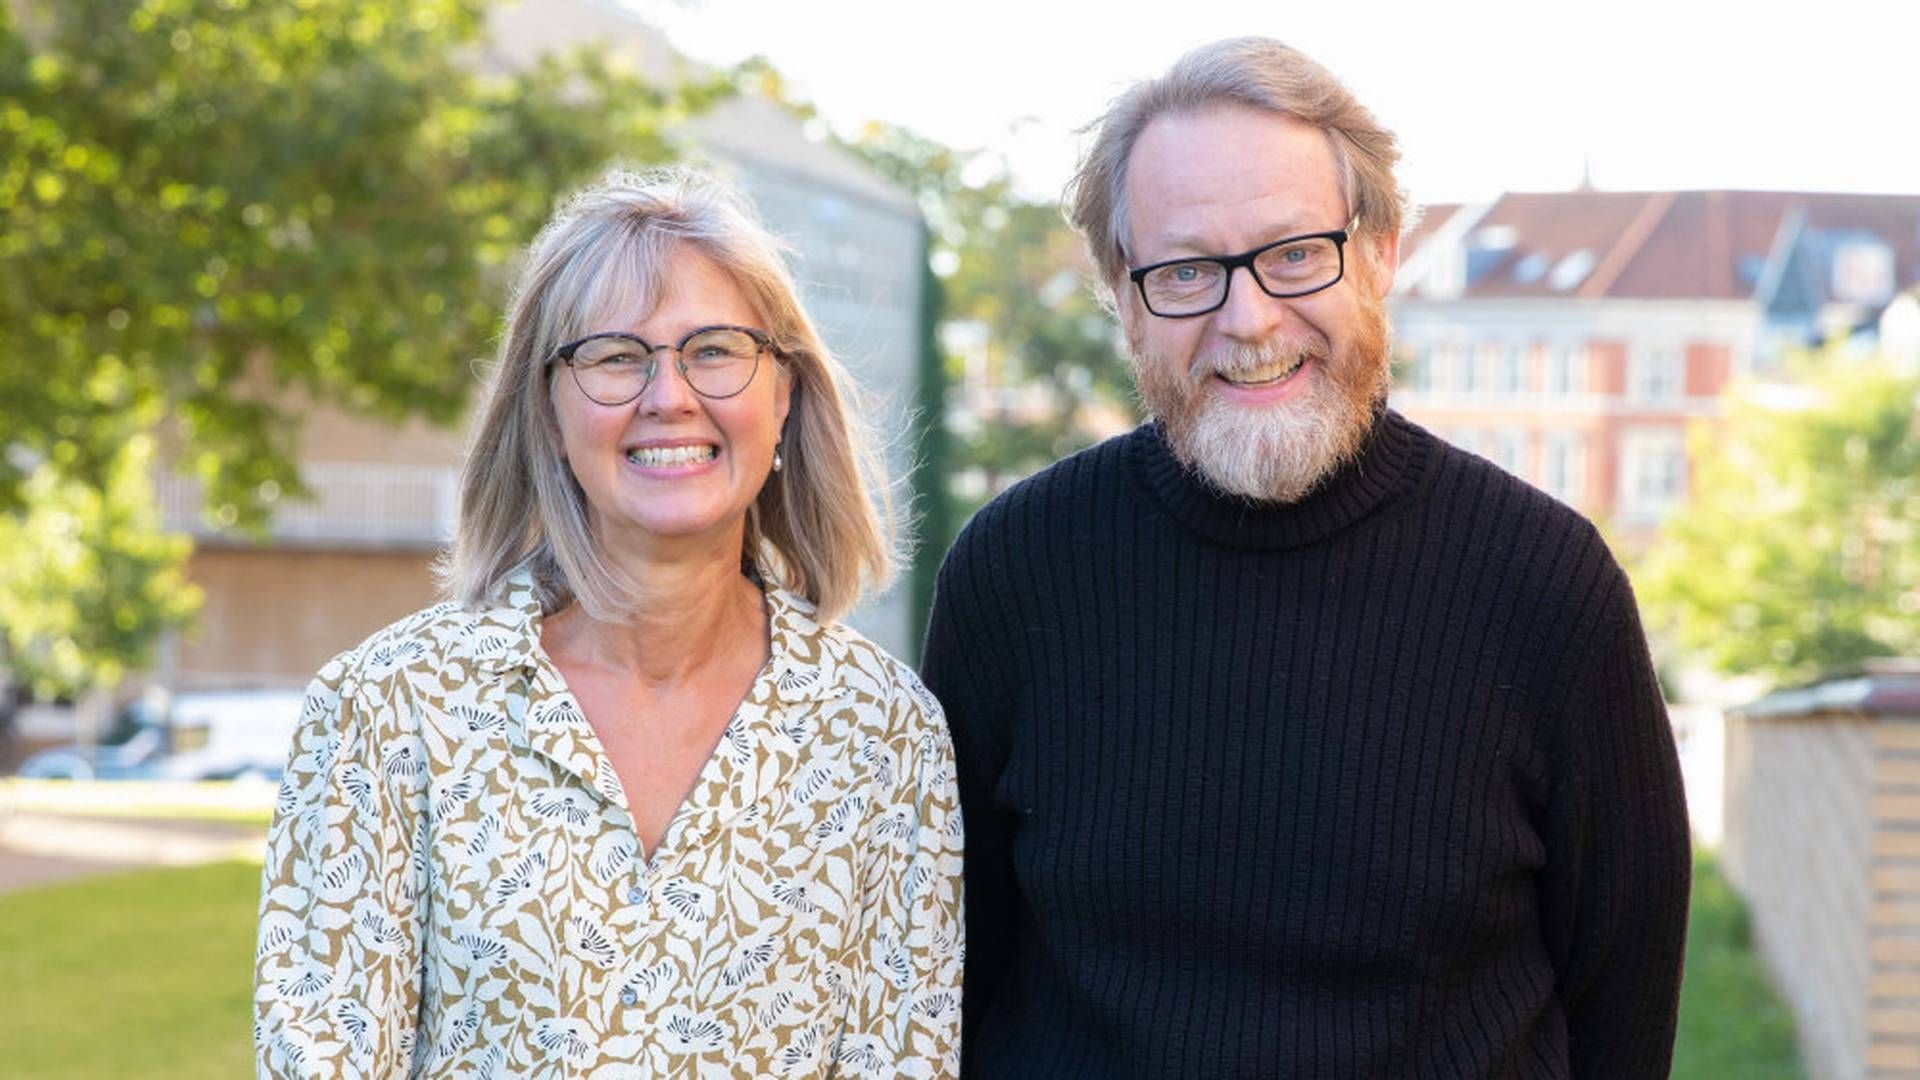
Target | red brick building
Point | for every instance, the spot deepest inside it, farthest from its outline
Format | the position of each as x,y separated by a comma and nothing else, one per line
1574,337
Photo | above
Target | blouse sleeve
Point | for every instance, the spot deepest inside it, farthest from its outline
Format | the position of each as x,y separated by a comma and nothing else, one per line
905,1017
338,961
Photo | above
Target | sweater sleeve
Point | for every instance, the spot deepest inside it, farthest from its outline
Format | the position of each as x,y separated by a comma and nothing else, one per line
956,667
1619,863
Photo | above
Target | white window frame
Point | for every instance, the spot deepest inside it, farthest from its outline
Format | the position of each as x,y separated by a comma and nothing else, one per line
1657,372
1563,466
1509,450
1564,372
1512,380
1653,473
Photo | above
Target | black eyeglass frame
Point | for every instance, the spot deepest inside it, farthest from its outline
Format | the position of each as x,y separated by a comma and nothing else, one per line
564,354
1230,263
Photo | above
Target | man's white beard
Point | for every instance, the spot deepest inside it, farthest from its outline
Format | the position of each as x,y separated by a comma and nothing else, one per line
1283,451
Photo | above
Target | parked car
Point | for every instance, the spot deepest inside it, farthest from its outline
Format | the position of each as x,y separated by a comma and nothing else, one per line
194,735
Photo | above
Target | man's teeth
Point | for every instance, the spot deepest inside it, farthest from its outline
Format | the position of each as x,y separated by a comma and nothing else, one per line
1265,373
664,456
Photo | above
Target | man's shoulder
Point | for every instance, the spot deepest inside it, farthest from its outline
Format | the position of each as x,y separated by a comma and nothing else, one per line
1470,481
1051,493
1543,547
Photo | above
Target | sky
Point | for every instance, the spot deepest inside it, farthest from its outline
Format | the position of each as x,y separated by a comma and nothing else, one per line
1485,96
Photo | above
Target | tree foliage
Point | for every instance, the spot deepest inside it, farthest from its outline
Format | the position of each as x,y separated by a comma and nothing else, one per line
208,204
1013,273
1798,552
88,577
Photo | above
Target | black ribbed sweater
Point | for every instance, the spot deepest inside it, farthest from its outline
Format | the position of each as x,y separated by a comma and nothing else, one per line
1378,784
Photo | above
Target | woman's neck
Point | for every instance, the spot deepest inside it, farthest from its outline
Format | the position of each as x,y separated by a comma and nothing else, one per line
687,611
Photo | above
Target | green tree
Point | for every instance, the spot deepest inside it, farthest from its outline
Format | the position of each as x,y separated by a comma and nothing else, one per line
88,574
207,205
1798,552
1013,267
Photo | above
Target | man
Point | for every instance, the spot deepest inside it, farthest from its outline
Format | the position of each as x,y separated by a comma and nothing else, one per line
1293,741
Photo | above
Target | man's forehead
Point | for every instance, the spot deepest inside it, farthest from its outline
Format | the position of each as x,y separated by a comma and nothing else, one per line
1221,174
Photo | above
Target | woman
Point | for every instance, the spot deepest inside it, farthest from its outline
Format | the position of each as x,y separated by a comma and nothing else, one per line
633,803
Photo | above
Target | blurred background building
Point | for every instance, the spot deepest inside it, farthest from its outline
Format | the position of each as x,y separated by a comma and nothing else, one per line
386,495
1570,337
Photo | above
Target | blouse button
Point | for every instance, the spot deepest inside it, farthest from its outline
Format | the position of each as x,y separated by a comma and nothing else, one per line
636,894
628,997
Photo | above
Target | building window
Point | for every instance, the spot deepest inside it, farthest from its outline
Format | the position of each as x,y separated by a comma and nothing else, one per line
1513,370
1653,468
1466,377
1438,376
1563,466
1510,450
1565,370
1420,375
1656,373
1863,273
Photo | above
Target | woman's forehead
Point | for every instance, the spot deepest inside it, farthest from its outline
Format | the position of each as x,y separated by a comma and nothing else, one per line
621,285
687,286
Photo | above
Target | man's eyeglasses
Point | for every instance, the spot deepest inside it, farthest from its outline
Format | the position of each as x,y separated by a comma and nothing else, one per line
613,368
1295,266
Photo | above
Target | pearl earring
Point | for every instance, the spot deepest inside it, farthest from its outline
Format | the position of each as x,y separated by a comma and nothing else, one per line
778,464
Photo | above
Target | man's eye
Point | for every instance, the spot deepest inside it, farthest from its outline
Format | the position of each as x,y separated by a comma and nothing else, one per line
1185,273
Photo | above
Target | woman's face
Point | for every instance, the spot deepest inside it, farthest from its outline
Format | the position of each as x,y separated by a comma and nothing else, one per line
671,464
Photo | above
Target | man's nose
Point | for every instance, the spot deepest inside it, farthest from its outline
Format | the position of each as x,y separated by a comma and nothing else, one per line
1249,314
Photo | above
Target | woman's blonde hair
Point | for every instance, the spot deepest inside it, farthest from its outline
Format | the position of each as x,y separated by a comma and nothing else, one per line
1259,73
822,526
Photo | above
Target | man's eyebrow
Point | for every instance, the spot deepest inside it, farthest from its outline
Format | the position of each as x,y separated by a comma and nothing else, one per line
1187,245
1191,245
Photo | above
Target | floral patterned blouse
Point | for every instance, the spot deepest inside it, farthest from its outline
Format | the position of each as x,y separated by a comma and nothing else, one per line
453,886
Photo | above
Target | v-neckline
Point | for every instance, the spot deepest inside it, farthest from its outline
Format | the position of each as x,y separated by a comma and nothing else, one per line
718,772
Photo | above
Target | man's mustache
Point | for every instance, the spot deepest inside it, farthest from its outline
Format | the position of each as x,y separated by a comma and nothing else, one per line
1241,358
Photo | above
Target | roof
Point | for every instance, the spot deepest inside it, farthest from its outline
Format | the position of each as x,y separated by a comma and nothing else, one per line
1882,688
1429,220
1696,245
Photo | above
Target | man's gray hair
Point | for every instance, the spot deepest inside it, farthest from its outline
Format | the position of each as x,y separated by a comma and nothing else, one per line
1256,72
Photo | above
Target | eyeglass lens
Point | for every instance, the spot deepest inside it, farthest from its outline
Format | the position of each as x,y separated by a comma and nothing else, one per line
1197,285
615,370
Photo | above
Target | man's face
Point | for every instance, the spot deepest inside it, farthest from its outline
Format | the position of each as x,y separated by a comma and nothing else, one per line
1264,397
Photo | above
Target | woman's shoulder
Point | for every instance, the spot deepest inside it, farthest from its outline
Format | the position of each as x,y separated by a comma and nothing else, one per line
436,639
833,659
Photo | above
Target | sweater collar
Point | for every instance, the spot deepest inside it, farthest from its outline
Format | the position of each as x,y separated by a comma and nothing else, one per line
1389,463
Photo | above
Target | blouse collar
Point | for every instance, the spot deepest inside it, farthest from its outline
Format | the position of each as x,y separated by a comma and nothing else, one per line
505,637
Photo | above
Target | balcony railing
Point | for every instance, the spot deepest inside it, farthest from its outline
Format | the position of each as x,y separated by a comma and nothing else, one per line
357,505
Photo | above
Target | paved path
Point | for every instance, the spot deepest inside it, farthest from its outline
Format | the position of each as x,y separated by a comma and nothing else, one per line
39,848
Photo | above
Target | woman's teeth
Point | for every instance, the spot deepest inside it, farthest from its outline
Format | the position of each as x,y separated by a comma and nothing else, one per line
657,457
1266,373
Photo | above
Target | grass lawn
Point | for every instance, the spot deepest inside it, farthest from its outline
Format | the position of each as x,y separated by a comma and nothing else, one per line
1731,1022
149,974
146,974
